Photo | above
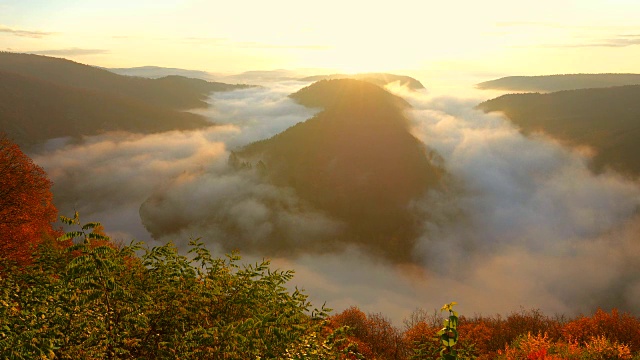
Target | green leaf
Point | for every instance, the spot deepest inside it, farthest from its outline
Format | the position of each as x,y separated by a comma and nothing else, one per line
90,225
70,235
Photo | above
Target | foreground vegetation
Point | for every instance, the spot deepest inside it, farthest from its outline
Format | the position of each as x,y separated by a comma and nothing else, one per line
84,297
80,296
526,334
94,300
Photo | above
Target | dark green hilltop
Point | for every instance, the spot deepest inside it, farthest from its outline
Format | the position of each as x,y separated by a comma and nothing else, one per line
356,160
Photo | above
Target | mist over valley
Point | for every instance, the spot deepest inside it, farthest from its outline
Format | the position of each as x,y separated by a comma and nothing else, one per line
380,195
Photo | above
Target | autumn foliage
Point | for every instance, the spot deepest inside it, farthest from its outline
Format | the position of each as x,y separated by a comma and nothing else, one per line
26,208
524,334
374,334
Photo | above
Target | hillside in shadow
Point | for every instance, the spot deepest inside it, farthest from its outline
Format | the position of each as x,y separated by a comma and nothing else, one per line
33,111
356,160
44,97
607,120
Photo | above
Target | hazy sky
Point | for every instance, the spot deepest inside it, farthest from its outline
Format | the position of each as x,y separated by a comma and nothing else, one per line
492,37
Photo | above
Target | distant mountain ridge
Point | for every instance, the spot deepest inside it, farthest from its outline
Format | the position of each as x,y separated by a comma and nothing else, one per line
380,79
551,83
605,119
69,73
75,99
154,72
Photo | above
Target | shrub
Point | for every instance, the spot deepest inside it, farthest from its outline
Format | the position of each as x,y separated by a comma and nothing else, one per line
26,205
615,327
93,300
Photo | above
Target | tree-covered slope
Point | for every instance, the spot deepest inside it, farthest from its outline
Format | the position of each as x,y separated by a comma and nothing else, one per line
33,110
605,119
178,94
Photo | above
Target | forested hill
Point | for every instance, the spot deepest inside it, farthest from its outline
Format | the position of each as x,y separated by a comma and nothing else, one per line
380,79
605,119
356,161
33,110
348,94
175,92
43,98
550,83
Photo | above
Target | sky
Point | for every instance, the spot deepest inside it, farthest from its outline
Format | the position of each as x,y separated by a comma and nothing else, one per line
487,39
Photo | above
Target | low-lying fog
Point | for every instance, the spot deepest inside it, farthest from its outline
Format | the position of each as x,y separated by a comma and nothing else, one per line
528,224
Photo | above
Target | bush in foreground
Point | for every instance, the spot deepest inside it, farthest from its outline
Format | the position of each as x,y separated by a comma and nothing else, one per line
94,300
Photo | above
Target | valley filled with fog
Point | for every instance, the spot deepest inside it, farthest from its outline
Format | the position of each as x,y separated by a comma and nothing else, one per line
519,221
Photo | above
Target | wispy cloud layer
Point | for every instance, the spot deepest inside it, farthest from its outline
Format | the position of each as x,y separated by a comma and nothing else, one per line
24,33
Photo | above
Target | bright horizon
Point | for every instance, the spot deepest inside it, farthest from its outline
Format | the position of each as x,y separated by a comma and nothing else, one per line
485,40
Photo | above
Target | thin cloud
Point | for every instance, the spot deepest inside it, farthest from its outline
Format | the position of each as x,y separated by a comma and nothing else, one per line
251,44
71,52
591,36
529,24
25,33
206,40
623,41
614,42
259,45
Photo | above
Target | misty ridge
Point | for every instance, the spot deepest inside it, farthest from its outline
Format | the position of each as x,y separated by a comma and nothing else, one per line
552,83
377,193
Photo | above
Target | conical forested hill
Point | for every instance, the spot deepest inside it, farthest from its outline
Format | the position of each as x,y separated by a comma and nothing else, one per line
356,160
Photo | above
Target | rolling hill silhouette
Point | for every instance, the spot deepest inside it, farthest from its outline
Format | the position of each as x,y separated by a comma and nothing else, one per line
605,119
43,97
190,93
33,110
551,83
356,161
155,72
